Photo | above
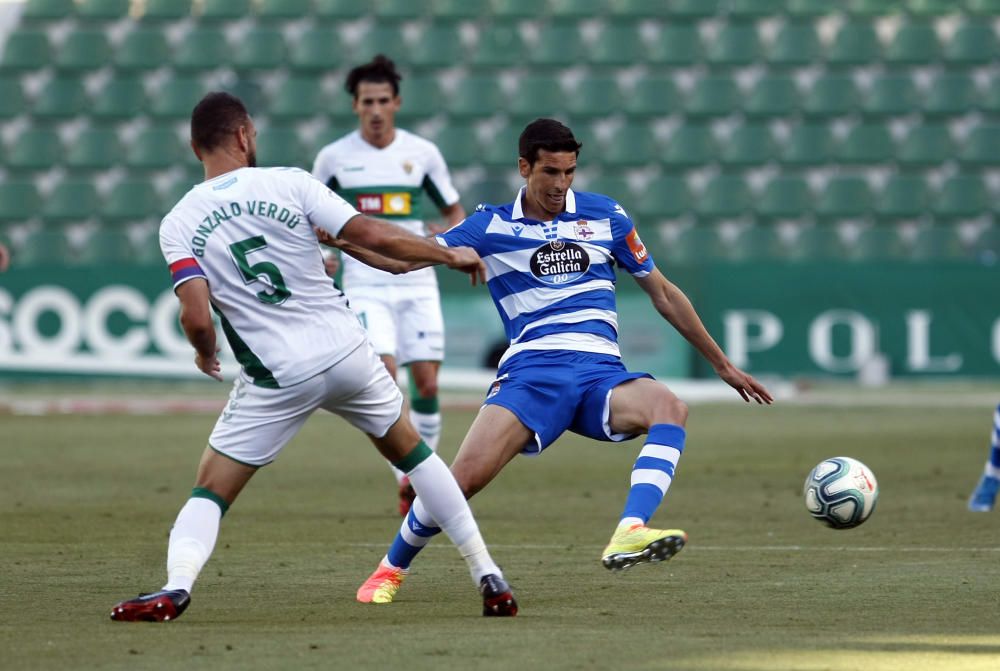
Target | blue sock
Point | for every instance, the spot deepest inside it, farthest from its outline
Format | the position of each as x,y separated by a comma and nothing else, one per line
654,470
994,460
412,537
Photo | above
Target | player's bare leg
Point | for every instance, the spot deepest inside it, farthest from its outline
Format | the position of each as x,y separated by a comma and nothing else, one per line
192,539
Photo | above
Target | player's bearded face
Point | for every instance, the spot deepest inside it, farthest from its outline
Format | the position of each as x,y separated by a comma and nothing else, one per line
549,179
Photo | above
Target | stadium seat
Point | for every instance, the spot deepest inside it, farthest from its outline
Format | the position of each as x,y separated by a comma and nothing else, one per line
476,96
501,151
666,197
103,10
989,101
132,199
877,243
937,242
695,244
712,95
594,96
261,48
535,95
725,197
618,45
95,148
736,45
755,243
808,9
144,48
166,10
439,46
176,97
48,246
154,148
932,8
26,49
177,189
577,9
891,95
19,200
62,97
515,9
913,44
316,49
422,97
868,9
808,144
926,146
631,145
203,48
693,10
298,97
614,186
983,7
224,10
84,49
337,10
654,95
396,10
459,144
950,94
498,46
11,97
559,46
690,145
856,43
961,197
987,245
457,10
749,145
831,96
982,147
796,45
784,197
754,9
678,44
902,197
971,44
123,97
382,38
639,9
73,199
48,10
280,146
492,190
867,143
844,197
283,9
104,245
819,242
34,148
772,96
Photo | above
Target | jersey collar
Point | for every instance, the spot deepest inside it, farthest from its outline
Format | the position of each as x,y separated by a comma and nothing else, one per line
518,211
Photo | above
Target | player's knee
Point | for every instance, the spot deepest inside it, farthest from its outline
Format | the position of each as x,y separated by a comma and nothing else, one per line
427,388
669,409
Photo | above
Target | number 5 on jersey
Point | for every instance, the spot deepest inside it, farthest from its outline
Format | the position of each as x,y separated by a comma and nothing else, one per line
265,271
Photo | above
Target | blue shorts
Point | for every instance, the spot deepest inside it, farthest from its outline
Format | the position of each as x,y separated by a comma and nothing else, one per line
552,391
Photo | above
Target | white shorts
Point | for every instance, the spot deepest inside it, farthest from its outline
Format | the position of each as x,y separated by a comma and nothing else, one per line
402,322
258,422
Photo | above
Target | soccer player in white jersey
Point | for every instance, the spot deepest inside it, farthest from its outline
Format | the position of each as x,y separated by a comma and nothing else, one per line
391,173
550,257
984,496
243,243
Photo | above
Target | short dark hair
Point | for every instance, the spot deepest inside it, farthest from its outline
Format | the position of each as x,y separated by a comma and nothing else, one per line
216,117
547,134
381,70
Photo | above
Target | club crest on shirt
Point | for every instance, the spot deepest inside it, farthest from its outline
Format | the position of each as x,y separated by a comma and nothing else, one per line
582,231
559,262
407,167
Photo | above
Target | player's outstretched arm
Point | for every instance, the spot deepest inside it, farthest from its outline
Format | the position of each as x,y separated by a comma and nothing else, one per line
675,307
393,242
196,320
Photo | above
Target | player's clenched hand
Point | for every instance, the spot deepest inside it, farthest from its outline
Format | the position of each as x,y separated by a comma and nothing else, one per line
745,384
467,260
209,365
329,240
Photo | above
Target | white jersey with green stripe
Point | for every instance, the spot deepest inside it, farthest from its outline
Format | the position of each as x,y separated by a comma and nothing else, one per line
389,183
251,234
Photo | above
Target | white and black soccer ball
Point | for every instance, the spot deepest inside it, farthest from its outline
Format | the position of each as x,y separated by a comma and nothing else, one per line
841,492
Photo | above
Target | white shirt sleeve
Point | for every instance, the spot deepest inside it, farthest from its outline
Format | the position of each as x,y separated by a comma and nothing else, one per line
171,244
324,208
438,180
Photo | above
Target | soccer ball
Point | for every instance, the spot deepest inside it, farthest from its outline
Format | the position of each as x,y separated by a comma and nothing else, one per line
841,492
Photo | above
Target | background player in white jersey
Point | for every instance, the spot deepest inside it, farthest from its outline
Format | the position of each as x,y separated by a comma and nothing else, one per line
243,244
550,258
389,172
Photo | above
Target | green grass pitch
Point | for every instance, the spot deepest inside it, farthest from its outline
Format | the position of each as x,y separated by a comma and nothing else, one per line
86,503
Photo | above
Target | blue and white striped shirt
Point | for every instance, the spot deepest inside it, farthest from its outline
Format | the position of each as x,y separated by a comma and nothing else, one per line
553,282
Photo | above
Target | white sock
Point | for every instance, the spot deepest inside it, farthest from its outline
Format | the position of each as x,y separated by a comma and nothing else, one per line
992,470
398,474
191,542
428,426
440,498
630,521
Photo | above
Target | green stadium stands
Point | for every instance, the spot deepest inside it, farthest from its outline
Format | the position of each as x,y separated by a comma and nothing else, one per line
856,43
439,46
961,197
176,97
877,243
725,197
262,48
831,96
48,245
754,9
536,95
891,95
950,94
12,101
931,8
154,148
397,10
902,197
867,143
297,97
73,199
381,38
459,144
736,45
224,10
933,243
655,95
784,197
688,10
772,96
808,144
756,243
639,9
515,9
577,9
337,10
166,10
422,97
666,196
203,48
712,96
807,9
36,148
281,146
678,44
872,8
749,145
983,7
454,10
926,146
62,97
690,145
982,146
283,9
316,50
475,96
501,151
48,10
693,245
633,145
103,10
84,49
19,200
594,96
987,245
913,44
143,48
972,44
132,199
95,148
845,197
26,49
618,45
123,97
818,243
796,45
499,46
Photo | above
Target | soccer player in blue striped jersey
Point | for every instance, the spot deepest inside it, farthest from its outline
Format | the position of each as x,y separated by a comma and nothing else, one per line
984,496
551,257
